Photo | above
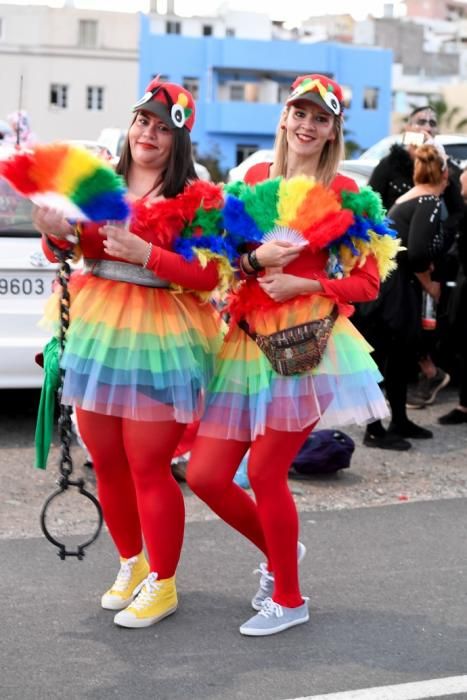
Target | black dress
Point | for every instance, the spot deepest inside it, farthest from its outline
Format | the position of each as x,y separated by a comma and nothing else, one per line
392,323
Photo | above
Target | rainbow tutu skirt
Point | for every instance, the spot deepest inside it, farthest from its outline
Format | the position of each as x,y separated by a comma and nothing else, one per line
138,352
247,396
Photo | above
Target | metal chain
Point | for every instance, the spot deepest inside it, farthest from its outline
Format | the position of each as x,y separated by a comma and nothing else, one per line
65,423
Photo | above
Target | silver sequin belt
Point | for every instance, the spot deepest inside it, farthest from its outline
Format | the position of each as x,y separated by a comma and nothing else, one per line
123,272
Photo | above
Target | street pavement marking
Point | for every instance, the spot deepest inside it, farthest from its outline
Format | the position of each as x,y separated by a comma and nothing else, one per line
438,687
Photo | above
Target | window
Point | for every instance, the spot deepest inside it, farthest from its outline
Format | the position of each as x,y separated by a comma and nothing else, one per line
370,98
237,93
58,96
192,85
173,27
94,97
347,91
230,31
162,78
283,93
243,151
87,37
207,29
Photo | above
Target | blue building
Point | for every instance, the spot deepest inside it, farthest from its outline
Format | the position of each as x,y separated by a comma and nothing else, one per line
240,84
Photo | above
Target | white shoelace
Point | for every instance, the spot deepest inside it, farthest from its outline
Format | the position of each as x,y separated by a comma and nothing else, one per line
124,575
266,577
149,590
271,609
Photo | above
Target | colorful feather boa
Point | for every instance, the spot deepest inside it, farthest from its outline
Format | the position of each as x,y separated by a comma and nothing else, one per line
190,224
351,229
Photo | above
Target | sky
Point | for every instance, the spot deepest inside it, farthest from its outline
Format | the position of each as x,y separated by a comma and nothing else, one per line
288,10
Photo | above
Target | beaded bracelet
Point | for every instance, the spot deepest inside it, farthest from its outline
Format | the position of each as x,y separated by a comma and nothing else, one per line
254,262
146,261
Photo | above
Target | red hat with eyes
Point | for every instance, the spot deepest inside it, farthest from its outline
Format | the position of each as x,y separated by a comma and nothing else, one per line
320,90
170,102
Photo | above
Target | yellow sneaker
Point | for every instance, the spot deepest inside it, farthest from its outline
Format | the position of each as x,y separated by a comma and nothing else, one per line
132,573
156,600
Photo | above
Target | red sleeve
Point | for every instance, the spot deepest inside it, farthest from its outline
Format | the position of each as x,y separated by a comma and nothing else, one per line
59,242
190,275
361,285
342,182
257,173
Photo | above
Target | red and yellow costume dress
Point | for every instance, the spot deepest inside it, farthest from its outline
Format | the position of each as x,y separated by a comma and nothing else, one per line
250,406
143,352
247,395
137,362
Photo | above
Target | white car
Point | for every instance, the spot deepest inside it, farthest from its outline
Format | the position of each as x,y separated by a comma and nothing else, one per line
360,169
266,156
26,278
455,146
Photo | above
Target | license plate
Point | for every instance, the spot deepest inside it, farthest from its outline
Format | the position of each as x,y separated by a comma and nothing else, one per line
26,285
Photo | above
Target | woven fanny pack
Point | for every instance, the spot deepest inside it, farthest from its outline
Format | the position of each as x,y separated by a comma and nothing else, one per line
296,349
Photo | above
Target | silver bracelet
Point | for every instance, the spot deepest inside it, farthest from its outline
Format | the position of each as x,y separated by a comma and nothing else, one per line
146,261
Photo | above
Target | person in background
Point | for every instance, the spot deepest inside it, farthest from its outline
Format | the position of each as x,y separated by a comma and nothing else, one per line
249,405
140,348
393,323
458,315
392,177
21,133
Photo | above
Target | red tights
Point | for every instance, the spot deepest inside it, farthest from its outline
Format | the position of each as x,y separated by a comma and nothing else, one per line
271,522
137,491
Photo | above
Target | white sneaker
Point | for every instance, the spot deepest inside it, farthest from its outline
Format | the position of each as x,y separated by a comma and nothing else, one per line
266,581
274,618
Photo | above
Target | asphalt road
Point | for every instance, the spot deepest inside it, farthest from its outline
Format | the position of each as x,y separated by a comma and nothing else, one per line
387,587
388,605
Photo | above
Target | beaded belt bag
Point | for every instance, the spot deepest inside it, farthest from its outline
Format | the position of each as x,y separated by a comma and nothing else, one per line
296,349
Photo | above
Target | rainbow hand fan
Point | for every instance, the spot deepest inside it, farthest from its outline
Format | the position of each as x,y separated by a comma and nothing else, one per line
70,179
302,210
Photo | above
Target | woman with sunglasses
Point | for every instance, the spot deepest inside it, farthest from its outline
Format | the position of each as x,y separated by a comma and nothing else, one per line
140,348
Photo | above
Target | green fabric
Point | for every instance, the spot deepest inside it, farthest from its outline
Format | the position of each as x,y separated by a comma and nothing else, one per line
46,411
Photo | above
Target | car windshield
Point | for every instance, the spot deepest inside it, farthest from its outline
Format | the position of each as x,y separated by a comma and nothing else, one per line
380,149
456,150
15,213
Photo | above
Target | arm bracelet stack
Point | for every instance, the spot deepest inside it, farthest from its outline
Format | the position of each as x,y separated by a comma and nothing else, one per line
254,262
248,273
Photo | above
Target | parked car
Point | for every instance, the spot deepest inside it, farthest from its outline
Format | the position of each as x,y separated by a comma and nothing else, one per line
455,146
360,169
264,155
350,168
26,278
